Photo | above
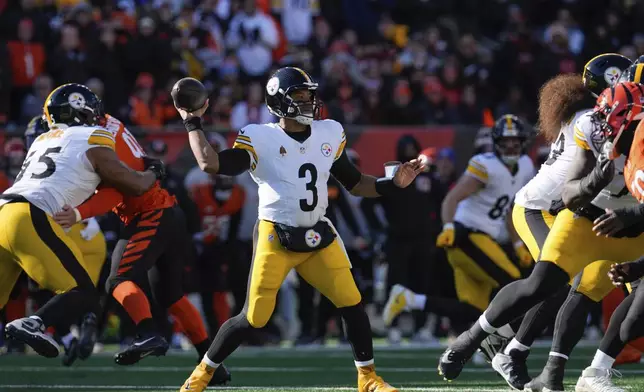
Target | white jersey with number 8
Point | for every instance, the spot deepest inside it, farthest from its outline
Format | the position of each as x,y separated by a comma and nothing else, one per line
292,176
485,210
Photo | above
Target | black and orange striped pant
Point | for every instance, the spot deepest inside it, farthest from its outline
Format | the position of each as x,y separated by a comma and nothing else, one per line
150,250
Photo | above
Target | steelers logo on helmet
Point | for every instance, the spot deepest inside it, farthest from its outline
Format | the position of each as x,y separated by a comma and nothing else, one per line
76,100
273,86
611,75
312,238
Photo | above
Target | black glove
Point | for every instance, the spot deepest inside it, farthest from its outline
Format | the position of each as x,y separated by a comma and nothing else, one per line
599,178
556,206
156,166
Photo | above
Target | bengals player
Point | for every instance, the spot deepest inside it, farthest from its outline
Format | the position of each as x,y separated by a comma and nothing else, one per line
154,237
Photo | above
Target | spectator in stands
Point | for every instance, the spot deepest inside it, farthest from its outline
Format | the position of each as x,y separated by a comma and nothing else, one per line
251,111
145,110
253,35
146,53
33,103
297,19
27,62
220,113
68,63
107,62
5,83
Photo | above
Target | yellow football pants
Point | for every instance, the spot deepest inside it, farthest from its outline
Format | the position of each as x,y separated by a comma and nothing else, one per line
480,266
328,270
31,241
573,246
94,251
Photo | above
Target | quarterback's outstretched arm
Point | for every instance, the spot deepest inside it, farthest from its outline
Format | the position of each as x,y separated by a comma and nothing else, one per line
587,176
116,174
364,185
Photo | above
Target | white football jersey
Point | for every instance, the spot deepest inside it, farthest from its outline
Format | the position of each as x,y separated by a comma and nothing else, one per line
485,210
547,185
292,176
616,194
57,171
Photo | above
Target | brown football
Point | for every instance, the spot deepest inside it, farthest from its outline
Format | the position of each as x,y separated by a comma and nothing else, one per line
189,94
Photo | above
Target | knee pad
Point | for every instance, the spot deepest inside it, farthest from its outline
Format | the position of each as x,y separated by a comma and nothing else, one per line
258,318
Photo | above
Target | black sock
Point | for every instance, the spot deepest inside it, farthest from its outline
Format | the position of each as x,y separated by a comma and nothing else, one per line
452,308
146,327
202,347
539,317
358,331
518,297
71,305
231,334
571,322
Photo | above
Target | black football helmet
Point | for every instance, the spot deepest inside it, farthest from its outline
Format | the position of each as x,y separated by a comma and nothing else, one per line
603,71
509,126
634,73
36,127
73,104
279,88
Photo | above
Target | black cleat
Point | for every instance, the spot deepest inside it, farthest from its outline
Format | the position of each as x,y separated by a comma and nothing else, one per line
512,368
492,345
88,336
142,347
32,332
453,360
220,377
71,353
550,379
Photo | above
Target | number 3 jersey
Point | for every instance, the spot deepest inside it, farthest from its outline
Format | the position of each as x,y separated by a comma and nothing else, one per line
292,176
485,210
547,185
589,137
57,171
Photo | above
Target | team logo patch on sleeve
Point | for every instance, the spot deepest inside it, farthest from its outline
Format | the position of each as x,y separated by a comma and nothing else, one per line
326,149
312,238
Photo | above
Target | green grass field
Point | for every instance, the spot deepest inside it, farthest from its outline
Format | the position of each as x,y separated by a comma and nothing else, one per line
275,369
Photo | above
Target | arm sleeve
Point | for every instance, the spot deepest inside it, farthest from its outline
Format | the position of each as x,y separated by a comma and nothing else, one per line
477,169
234,161
345,172
347,213
101,203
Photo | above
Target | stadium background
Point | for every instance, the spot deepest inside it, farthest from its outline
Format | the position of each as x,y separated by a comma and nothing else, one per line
439,70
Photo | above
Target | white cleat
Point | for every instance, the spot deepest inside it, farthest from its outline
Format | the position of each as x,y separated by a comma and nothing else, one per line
598,380
31,331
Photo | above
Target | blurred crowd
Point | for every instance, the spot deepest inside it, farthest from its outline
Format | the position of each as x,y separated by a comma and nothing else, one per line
378,62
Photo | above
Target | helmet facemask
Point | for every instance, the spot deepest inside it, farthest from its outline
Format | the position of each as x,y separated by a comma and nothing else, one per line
509,149
299,103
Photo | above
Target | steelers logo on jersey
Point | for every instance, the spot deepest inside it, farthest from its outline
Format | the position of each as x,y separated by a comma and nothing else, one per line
76,100
312,238
611,75
326,149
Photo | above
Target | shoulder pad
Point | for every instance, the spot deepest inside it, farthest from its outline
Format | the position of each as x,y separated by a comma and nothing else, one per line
99,136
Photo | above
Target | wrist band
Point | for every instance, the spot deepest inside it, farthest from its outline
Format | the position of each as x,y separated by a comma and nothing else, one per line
192,124
448,226
385,186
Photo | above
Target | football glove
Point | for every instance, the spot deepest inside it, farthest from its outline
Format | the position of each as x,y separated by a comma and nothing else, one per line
447,236
156,166
523,254
91,230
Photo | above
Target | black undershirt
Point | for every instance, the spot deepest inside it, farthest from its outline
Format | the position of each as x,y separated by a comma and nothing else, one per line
235,161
